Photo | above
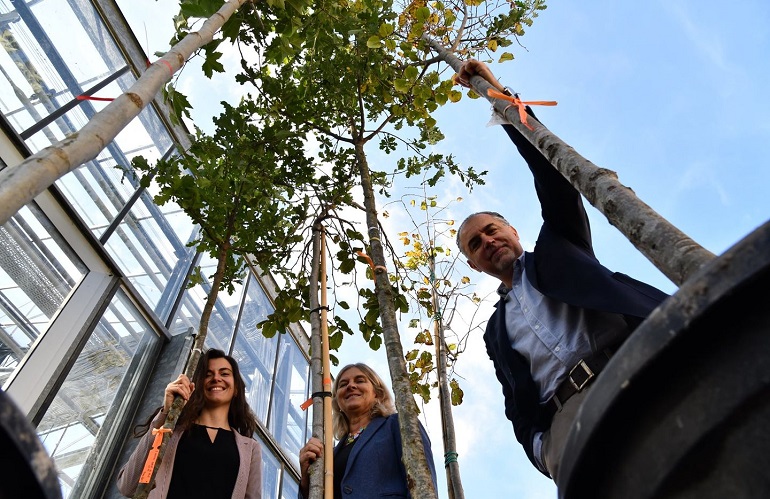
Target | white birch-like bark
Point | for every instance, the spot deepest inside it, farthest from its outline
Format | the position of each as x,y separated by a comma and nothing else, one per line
20,184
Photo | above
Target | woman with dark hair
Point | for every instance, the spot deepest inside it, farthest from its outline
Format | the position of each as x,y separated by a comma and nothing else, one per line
367,459
205,457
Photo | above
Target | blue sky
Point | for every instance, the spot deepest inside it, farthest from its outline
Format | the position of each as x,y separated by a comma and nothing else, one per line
672,95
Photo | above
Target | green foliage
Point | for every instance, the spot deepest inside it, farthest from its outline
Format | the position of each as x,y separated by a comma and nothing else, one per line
348,72
237,185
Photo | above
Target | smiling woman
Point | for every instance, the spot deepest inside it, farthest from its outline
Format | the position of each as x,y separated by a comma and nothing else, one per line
368,457
214,430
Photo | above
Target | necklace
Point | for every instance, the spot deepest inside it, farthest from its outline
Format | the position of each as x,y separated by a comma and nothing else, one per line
353,436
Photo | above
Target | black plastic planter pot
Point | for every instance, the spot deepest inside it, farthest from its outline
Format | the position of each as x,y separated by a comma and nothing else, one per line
683,408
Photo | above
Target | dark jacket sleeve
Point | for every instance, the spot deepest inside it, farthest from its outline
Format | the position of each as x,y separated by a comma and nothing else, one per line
560,203
522,406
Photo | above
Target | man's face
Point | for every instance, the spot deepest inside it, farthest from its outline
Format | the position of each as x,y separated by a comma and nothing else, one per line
491,246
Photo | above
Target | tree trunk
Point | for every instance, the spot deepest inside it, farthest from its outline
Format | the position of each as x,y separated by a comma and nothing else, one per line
418,475
452,466
316,469
669,249
143,490
20,184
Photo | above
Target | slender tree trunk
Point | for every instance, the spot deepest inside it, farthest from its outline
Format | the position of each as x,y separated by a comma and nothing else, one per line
19,184
143,490
669,249
316,469
418,474
452,466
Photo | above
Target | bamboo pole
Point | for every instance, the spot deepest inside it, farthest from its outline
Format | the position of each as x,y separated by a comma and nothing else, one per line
327,380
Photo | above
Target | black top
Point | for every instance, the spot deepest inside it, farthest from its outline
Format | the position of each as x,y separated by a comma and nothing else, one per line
340,464
204,469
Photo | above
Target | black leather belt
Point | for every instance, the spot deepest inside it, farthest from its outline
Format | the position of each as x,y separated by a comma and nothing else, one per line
579,377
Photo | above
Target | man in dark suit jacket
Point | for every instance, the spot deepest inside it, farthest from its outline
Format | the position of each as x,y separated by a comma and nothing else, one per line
561,313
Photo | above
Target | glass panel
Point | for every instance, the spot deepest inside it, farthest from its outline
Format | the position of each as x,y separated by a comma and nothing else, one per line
147,247
222,322
290,488
100,189
51,53
72,422
287,419
255,353
37,272
271,472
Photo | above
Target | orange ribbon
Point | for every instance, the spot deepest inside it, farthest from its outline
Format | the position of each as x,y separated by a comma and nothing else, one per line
515,101
152,456
91,97
371,263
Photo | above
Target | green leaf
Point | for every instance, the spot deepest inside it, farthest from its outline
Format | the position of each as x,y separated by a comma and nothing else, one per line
374,42
335,340
505,56
212,63
401,85
199,8
347,266
386,29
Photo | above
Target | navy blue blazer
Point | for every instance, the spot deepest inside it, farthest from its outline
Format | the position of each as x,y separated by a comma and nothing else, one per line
374,467
562,266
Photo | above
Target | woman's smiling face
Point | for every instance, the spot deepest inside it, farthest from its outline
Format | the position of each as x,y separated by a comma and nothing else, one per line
355,393
219,385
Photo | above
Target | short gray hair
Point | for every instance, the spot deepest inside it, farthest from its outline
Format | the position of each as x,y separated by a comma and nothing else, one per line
493,214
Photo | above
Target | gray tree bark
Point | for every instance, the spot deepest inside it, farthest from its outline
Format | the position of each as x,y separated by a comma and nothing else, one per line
674,253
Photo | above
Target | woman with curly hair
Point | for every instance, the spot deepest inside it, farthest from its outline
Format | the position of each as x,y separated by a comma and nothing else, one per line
211,453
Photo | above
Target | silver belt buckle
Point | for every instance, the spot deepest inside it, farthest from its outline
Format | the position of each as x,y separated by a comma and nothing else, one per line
589,375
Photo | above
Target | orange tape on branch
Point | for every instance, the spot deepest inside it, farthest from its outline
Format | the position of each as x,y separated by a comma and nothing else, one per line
515,101
91,97
152,456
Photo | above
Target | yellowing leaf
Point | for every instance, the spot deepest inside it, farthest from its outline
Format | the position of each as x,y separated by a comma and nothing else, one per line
505,56
465,280
374,42
492,45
